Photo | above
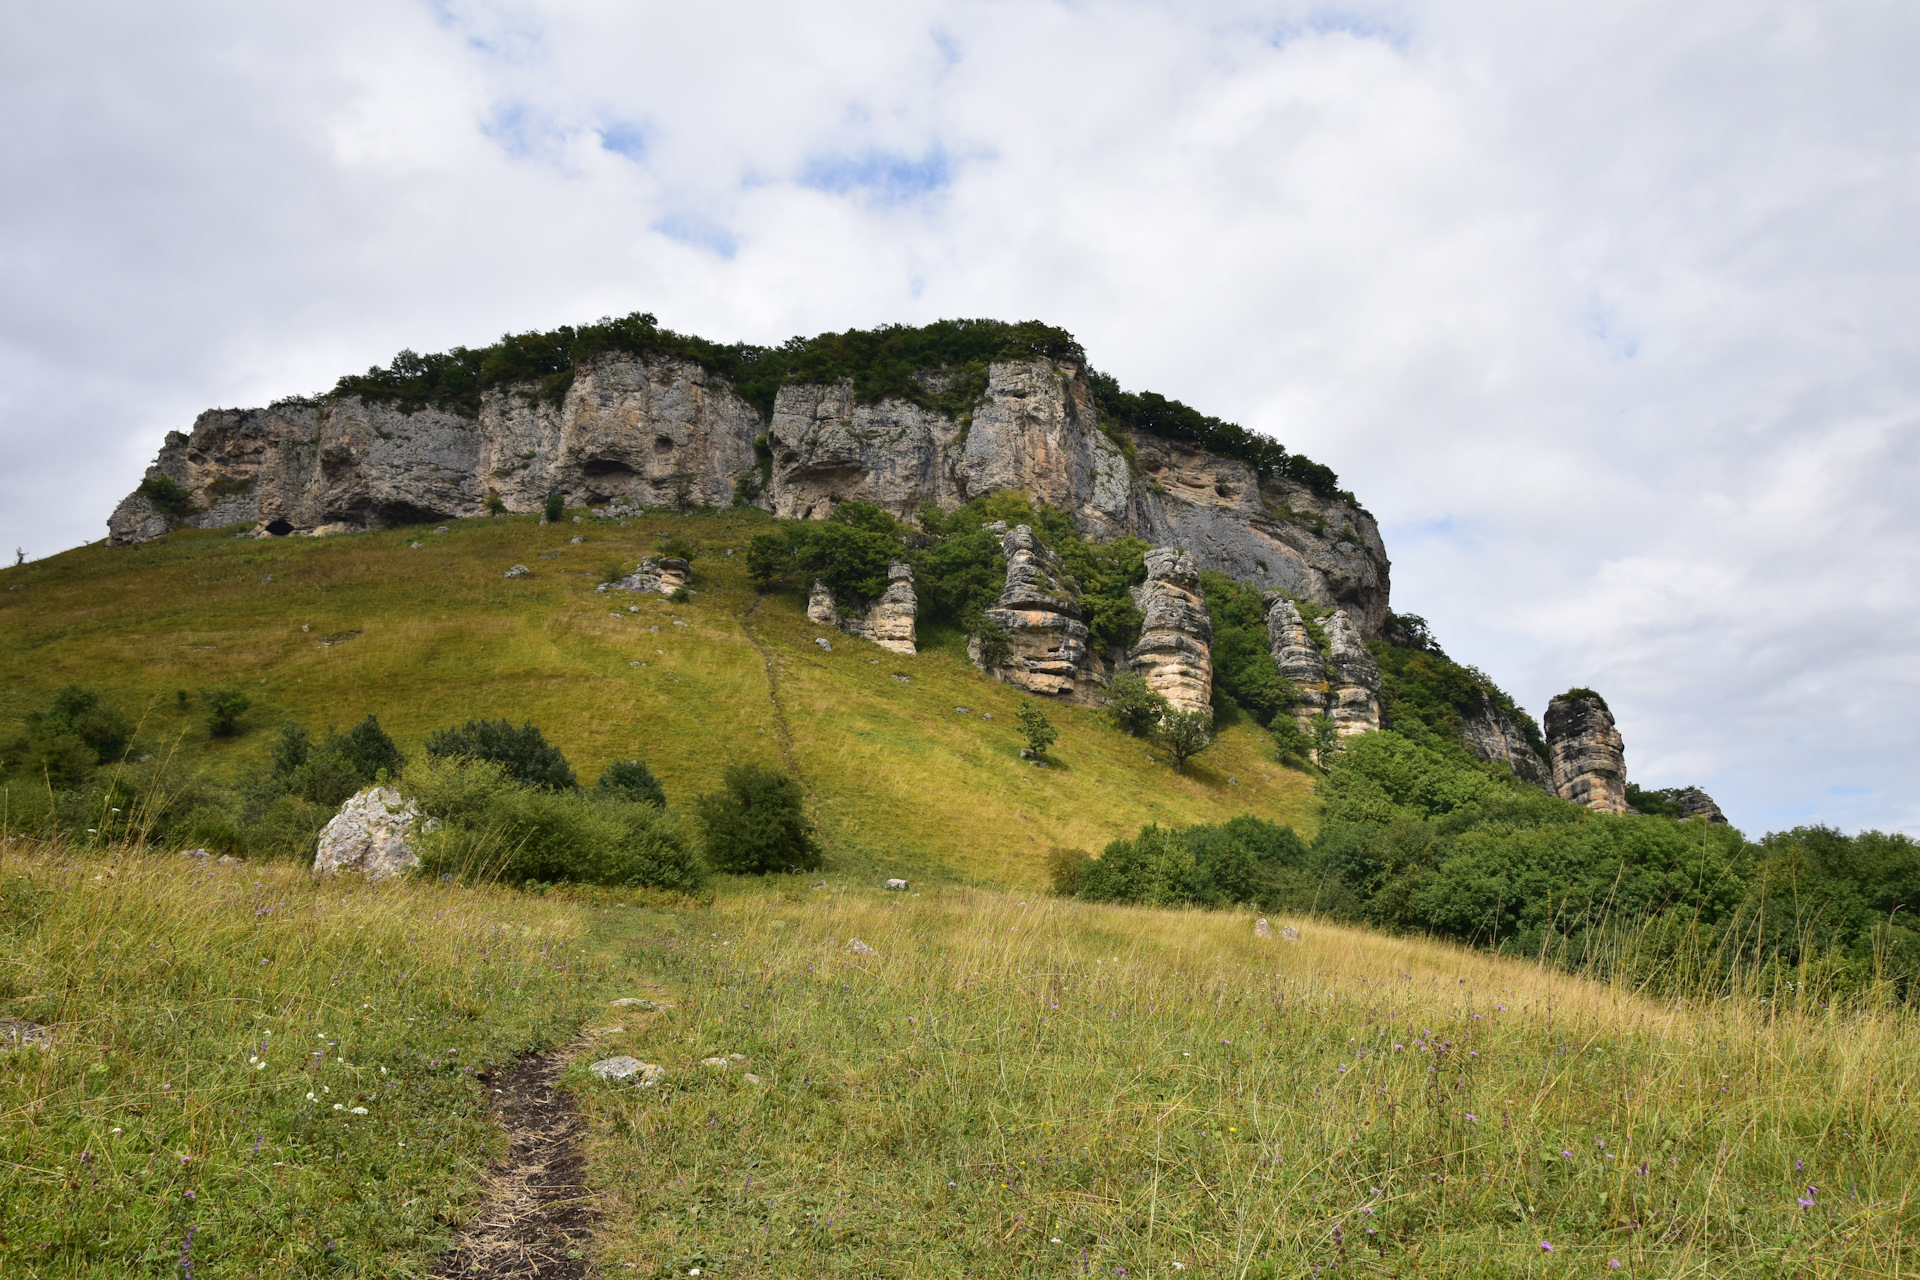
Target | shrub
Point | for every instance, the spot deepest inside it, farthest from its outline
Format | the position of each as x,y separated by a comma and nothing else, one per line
496,505
1067,870
1036,728
224,704
678,545
336,769
757,823
524,753
556,506
1132,704
1185,734
632,780
1293,745
167,495
493,829
993,645
368,749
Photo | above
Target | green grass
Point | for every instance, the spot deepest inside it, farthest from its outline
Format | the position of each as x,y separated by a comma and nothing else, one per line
215,1027
901,782
1008,1085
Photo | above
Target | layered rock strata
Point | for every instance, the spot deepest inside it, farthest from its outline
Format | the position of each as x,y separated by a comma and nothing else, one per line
1353,693
1696,803
649,432
1341,684
1493,736
889,623
1589,758
1174,654
1037,612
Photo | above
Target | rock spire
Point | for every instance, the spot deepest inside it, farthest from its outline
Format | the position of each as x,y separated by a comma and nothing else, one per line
1174,654
1589,758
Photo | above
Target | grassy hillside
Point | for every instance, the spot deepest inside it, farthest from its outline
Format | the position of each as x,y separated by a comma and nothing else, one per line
1006,1085
325,631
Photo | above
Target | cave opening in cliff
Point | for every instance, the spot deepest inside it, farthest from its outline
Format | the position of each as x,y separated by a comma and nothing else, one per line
279,526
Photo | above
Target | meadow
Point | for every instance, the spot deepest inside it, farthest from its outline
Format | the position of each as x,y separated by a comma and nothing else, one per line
1002,1085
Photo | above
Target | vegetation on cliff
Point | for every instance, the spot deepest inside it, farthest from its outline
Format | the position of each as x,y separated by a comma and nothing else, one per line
940,366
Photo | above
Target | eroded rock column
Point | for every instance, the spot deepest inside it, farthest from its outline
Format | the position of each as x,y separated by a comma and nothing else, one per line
1174,654
1353,695
1046,639
1589,758
889,623
1298,658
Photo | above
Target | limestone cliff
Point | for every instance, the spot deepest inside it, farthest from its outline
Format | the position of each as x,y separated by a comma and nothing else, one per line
1589,758
1493,736
659,431
1046,640
1174,653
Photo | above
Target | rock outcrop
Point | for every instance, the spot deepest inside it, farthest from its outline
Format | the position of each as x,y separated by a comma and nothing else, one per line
637,432
1493,736
1696,803
371,834
1298,658
1589,758
889,623
1353,692
1047,649
1174,654
664,576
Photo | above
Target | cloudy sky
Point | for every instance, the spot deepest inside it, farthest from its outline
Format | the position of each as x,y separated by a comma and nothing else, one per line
1608,312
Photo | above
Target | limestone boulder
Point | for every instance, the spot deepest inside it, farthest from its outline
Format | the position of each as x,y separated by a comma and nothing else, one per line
1589,756
1174,654
889,623
372,835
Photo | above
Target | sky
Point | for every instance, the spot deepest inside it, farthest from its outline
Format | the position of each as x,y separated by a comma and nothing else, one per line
1608,313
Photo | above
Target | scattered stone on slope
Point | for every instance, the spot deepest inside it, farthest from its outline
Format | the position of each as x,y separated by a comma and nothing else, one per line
1261,929
1047,641
643,1074
1174,654
1353,695
1289,934
18,1033
635,1002
860,948
661,575
519,571
896,883
369,835
1589,757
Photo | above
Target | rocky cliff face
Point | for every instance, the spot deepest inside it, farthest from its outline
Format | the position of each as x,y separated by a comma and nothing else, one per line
1589,758
1174,654
1696,803
1047,641
657,432
1353,693
1494,737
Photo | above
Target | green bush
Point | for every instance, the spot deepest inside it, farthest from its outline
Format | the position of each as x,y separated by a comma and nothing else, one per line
1132,705
632,780
850,551
1245,861
1184,735
1035,727
1243,668
993,645
222,706
328,774
554,508
491,828
524,753
167,495
757,823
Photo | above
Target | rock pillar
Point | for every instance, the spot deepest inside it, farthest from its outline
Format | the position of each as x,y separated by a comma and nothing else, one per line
1353,695
1174,654
1589,758
1046,639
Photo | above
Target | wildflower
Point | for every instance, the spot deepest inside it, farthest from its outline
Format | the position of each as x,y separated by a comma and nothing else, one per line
1057,1240
1566,1155
339,1106
1472,1118
1613,1264
1545,1247
1798,1166
359,1111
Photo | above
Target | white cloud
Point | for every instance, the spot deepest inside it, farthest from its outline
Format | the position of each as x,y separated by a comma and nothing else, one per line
1604,310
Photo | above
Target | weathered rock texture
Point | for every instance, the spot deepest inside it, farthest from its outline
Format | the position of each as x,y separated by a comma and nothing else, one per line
1698,804
1493,736
652,432
1353,695
889,623
1589,759
665,575
1298,658
1342,683
1046,638
1174,654
371,835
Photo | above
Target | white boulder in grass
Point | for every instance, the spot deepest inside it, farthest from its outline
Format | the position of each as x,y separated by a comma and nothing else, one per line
643,1074
896,884
370,835
1261,929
